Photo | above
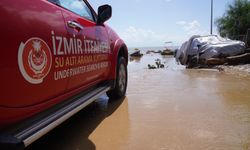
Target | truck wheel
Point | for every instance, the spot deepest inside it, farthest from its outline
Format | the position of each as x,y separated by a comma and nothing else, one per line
121,80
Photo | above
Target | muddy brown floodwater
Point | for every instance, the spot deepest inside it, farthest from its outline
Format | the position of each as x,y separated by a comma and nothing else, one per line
165,109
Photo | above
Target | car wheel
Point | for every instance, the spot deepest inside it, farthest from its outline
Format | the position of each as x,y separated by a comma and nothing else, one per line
121,80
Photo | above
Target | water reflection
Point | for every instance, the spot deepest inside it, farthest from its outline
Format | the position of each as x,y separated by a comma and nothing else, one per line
188,108
135,59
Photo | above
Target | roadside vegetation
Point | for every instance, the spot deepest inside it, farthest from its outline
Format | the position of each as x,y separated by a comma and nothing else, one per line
236,20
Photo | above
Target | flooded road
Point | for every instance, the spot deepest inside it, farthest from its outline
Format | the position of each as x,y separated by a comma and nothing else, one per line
165,109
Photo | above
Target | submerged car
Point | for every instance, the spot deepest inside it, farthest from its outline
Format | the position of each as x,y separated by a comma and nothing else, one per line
58,57
199,49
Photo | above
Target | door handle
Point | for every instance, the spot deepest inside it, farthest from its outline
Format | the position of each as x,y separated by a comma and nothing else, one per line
74,25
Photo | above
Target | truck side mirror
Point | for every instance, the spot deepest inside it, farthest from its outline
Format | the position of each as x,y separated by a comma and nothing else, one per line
104,13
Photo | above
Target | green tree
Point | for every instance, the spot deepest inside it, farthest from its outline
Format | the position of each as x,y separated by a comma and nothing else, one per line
236,20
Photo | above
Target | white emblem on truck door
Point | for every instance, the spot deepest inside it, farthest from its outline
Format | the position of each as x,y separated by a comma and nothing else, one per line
34,60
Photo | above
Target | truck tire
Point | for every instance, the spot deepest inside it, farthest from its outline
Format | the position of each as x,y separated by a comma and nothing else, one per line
120,88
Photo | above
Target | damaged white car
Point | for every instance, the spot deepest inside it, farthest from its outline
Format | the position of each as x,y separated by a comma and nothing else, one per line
198,50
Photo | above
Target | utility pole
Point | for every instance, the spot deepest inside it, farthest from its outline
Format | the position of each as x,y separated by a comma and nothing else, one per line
212,7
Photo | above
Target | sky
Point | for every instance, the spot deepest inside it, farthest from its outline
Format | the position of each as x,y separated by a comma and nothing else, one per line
148,23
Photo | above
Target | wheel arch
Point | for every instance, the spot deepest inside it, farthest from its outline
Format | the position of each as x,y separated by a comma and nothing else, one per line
120,50
123,52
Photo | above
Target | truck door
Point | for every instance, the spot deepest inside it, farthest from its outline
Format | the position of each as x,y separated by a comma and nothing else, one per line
90,51
28,61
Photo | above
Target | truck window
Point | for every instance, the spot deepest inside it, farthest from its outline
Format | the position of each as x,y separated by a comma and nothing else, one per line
79,7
